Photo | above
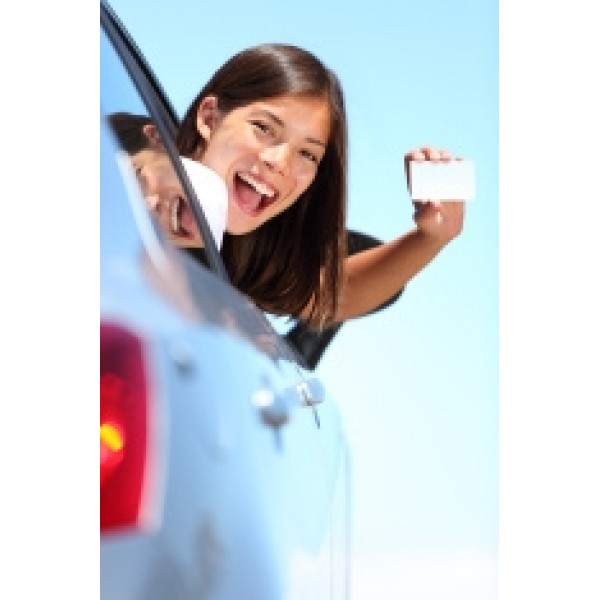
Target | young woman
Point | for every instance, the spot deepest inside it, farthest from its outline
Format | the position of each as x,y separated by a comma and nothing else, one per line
272,123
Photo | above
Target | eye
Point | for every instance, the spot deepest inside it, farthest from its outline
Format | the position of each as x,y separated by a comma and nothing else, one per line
141,178
263,127
310,156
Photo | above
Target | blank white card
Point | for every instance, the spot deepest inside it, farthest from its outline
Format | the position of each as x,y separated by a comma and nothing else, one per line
454,180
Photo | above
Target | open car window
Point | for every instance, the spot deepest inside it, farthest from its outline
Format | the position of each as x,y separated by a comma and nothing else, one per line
129,88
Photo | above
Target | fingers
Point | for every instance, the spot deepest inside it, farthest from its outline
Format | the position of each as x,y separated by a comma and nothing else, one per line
425,153
429,153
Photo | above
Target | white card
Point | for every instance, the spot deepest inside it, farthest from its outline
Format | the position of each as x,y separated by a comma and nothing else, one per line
454,180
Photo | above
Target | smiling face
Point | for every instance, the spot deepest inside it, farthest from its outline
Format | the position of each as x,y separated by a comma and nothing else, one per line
162,191
268,153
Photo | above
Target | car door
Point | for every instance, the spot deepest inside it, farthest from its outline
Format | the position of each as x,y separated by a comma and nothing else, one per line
292,471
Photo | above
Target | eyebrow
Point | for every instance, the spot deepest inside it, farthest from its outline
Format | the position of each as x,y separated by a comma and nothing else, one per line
279,122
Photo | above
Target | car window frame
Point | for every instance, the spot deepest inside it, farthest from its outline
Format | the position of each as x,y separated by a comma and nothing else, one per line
164,117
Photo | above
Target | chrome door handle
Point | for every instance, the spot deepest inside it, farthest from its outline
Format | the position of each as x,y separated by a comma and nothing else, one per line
274,408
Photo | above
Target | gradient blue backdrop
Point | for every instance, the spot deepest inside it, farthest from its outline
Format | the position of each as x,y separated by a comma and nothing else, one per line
418,382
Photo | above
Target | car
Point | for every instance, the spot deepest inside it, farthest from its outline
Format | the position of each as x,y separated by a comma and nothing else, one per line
224,466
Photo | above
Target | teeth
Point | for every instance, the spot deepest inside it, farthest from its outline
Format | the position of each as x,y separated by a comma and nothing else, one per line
174,217
262,188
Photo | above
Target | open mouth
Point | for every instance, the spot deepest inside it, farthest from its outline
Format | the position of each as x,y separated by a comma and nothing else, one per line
181,218
253,195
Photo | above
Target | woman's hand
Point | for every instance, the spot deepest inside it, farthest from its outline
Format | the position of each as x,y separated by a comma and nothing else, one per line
442,221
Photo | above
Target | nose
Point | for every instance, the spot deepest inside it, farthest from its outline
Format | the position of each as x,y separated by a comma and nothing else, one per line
150,189
152,201
277,157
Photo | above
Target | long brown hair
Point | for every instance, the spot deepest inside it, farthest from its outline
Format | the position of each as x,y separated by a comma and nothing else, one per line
281,263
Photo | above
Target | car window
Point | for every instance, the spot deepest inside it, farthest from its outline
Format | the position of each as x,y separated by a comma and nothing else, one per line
165,180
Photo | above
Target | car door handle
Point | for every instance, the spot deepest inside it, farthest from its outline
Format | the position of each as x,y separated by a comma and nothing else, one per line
274,408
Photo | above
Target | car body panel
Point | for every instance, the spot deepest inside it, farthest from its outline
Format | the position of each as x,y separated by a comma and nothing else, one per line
246,489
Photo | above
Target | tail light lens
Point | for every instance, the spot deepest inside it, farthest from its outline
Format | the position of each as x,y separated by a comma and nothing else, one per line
124,427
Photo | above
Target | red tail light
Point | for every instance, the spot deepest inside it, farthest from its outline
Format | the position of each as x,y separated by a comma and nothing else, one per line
124,427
